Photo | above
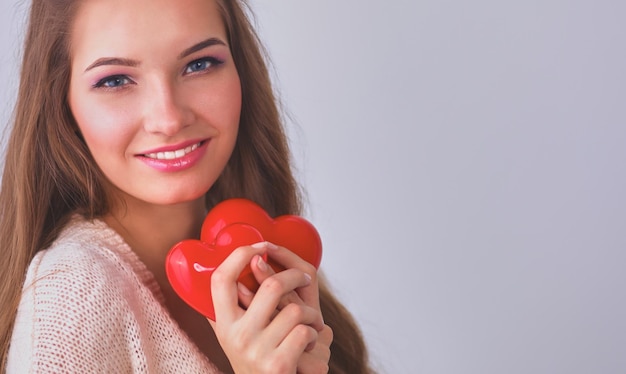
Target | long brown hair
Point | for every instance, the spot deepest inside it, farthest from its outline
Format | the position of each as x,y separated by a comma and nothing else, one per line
49,173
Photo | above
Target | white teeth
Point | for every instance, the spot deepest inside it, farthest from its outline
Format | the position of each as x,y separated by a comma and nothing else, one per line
171,155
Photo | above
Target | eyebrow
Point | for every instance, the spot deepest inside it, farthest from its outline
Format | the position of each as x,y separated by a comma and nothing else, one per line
200,46
133,63
112,61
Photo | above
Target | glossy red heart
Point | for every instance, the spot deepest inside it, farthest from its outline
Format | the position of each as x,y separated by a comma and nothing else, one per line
231,224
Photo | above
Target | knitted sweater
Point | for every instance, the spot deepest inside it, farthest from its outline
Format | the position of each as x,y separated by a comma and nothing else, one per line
89,305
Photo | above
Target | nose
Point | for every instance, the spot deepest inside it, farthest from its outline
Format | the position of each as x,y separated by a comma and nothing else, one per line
166,111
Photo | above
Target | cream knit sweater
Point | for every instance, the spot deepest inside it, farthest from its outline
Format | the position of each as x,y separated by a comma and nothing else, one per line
89,305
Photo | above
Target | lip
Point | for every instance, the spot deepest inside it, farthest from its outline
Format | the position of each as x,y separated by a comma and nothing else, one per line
178,164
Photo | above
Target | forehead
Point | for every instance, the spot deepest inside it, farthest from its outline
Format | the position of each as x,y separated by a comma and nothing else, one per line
128,27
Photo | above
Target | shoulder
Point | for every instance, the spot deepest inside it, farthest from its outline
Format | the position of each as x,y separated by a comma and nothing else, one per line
86,258
88,266
88,255
80,295
90,305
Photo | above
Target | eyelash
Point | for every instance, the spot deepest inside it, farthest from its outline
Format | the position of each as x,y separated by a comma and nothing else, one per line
102,83
212,62
119,81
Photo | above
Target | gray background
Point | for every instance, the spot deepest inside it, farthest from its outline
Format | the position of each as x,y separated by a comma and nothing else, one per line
464,163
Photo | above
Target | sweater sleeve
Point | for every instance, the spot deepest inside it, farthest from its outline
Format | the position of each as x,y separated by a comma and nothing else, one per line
74,317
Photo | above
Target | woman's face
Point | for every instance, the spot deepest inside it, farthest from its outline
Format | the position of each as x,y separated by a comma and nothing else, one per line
156,95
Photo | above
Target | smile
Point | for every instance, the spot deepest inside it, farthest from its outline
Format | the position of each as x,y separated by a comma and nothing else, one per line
172,155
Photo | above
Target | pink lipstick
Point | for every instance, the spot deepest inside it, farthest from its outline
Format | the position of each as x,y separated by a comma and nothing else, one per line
175,158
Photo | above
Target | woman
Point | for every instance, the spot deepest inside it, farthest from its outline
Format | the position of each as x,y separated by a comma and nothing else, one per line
133,119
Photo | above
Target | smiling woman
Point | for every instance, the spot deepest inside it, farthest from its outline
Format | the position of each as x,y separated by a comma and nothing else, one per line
133,120
163,91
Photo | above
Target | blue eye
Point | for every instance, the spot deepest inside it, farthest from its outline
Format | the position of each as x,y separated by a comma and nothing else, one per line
201,65
116,81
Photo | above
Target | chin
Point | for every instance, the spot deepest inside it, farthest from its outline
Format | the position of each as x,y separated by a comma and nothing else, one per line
176,199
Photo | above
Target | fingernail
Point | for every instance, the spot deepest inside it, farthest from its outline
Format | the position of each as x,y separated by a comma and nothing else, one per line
261,264
308,278
243,289
271,246
259,245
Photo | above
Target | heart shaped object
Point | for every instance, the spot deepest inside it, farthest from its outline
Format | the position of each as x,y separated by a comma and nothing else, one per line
231,224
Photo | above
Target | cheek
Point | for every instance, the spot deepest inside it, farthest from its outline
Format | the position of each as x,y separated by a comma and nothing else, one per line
218,95
103,128
227,104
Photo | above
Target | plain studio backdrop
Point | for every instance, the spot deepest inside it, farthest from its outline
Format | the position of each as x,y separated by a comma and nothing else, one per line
465,165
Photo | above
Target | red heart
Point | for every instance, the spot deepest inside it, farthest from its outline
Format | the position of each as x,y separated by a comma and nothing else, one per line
229,225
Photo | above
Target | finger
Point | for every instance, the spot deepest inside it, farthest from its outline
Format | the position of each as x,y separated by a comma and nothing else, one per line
290,260
272,290
326,336
296,341
224,289
262,271
245,295
316,360
324,339
311,363
291,316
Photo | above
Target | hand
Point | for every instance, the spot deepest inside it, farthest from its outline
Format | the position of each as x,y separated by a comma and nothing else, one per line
314,359
260,339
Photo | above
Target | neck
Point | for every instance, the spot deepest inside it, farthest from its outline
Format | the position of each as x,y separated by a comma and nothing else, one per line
151,230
